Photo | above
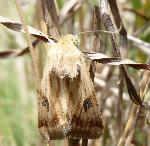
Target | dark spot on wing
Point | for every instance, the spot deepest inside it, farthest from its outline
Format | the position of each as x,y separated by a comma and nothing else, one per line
45,102
87,104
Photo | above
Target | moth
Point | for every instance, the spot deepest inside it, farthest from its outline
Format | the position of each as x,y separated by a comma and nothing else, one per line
67,105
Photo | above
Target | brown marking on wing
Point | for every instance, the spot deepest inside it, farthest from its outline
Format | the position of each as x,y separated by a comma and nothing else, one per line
54,123
45,102
77,97
43,122
78,121
58,87
87,128
68,82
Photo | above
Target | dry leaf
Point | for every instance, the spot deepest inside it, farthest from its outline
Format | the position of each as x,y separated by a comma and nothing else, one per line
131,89
17,52
101,58
18,27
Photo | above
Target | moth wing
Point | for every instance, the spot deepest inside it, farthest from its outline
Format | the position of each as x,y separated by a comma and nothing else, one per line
86,118
49,111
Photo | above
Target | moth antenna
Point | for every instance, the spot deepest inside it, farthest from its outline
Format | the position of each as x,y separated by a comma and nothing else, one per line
93,31
105,31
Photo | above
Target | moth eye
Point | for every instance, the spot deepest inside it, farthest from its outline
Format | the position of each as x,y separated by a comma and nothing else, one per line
76,41
87,104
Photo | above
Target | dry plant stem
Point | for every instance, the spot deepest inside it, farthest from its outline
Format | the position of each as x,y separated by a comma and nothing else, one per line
109,26
139,42
119,103
43,28
142,29
97,26
17,52
32,52
127,135
40,16
96,42
97,22
143,46
70,25
129,129
51,18
119,24
84,142
81,27
117,17
131,124
73,142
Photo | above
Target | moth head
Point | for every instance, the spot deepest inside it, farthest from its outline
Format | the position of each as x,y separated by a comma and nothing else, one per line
73,38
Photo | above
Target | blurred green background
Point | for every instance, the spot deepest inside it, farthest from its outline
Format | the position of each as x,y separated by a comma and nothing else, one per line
18,105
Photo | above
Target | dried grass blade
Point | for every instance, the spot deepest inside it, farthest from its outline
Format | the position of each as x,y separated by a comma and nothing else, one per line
32,51
131,89
128,132
119,23
17,52
51,18
18,27
101,58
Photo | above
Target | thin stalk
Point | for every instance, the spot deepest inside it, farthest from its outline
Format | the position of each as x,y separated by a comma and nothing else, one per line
84,142
73,142
32,52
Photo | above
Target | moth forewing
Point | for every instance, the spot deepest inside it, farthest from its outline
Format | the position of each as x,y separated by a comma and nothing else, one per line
87,120
67,99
